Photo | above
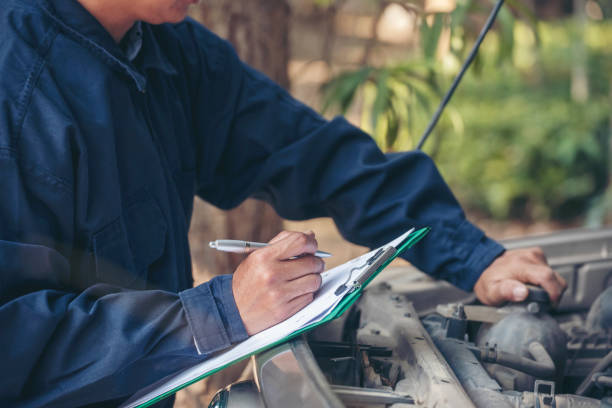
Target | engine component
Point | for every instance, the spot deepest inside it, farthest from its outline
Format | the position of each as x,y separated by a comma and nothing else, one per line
482,389
456,324
539,400
514,334
600,313
389,320
541,367
241,394
595,372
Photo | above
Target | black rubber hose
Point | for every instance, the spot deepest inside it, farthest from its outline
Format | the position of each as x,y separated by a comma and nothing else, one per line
542,367
602,379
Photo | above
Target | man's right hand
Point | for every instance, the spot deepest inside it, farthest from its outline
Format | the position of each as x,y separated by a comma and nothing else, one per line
271,285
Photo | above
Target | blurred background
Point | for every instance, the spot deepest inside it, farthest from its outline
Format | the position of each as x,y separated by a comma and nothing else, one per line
525,143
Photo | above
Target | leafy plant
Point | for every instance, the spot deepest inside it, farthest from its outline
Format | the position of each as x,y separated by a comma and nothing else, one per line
512,143
397,98
393,97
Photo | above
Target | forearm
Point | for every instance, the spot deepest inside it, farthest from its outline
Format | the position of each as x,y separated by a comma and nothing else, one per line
272,147
104,343
374,197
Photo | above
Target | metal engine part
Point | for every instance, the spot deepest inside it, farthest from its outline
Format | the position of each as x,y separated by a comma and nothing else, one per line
237,395
393,350
514,334
600,313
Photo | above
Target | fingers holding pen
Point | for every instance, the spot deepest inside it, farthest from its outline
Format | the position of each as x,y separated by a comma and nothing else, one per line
283,271
274,282
305,284
295,268
284,234
293,244
279,237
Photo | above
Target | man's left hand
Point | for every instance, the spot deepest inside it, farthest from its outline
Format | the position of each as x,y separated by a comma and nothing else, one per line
503,281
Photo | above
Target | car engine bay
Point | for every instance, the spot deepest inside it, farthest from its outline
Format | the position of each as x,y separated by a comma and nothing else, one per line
423,342
411,341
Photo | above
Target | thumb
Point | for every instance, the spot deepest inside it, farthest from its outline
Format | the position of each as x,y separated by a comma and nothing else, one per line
506,290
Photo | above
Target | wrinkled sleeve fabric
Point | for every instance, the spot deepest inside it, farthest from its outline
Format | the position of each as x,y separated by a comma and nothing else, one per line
255,140
213,315
66,345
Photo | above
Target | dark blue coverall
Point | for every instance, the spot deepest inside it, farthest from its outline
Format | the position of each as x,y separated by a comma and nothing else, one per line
100,158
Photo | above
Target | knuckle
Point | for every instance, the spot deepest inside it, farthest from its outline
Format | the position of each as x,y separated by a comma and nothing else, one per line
528,256
309,284
517,263
267,276
258,256
302,239
318,281
278,237
313,283
274,295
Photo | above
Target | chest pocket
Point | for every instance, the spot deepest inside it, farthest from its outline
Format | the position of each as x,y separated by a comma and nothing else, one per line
125,249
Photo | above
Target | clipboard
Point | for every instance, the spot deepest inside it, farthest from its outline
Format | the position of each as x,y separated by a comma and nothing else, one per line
347,291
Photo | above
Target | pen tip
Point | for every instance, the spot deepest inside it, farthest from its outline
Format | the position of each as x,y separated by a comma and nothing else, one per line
212,244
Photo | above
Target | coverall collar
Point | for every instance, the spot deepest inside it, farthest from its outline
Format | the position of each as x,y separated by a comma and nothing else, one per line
74,19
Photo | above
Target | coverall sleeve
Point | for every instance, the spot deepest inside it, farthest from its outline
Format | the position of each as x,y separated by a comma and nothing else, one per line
267,145
64,344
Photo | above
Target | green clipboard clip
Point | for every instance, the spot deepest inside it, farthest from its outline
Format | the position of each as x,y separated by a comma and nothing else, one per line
371,267
378,262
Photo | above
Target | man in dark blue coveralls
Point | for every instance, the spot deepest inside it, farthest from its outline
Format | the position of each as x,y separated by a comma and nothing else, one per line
110,122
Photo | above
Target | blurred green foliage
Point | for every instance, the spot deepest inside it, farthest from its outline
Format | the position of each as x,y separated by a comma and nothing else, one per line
396,96
525,149
512,143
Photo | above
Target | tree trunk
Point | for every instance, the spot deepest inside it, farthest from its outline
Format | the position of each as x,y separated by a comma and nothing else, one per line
258,29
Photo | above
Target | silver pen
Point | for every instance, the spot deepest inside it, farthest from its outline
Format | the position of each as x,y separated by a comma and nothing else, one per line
241,247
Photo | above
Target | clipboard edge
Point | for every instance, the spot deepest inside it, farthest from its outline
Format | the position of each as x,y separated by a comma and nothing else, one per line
344,304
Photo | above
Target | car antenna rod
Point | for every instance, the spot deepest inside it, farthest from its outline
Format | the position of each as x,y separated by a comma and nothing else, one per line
464,67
